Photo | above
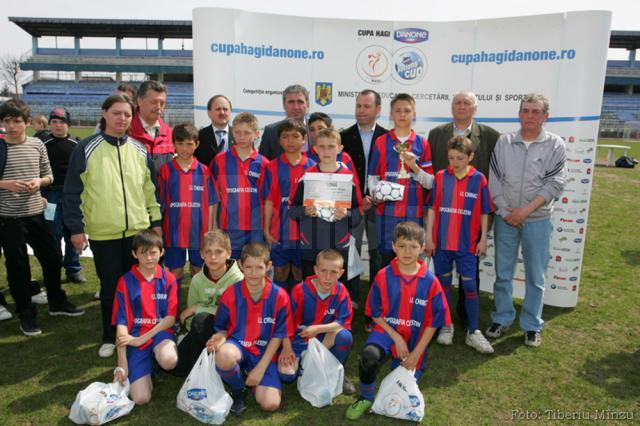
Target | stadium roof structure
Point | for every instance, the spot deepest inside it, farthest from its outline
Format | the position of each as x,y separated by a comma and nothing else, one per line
625,40
147,28
117,28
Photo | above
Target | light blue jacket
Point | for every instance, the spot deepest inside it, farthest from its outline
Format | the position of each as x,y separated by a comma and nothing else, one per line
517,174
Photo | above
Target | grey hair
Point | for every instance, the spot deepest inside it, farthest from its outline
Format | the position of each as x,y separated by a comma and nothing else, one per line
468,94
536,97
295,88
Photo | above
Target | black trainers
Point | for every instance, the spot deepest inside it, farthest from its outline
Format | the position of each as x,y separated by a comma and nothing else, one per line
348,388
65,308
532,338
29,326
239,402
495,330
76,278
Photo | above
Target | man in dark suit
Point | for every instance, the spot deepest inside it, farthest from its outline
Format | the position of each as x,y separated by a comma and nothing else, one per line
357,141
295,101
217,136
484,138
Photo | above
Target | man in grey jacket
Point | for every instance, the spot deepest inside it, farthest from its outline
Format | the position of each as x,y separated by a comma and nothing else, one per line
527,172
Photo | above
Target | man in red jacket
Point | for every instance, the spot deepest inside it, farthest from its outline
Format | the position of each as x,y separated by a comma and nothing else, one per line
147,125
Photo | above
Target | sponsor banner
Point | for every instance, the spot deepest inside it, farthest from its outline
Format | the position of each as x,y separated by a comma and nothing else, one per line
251,57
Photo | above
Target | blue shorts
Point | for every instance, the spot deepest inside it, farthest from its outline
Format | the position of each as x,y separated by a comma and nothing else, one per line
385,342
140,361
249,361
281,256
240,238
177,257
466,263
385,226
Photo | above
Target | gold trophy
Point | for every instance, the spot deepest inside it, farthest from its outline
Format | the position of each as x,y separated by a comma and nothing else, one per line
402,148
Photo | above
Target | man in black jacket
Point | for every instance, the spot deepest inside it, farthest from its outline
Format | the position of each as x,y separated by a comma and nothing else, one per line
357,141
295,101
217,136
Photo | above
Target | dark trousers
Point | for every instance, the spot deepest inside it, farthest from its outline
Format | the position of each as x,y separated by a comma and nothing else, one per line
71,260
16,234
193,343
112,259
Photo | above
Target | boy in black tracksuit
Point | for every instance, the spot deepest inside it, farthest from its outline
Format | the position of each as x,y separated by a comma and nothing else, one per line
317,234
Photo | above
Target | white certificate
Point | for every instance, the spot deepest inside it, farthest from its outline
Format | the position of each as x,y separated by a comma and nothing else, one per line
328,190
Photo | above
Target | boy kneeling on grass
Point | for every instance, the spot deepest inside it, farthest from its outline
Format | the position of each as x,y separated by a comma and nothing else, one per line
407,305
253,317
144,312
321,308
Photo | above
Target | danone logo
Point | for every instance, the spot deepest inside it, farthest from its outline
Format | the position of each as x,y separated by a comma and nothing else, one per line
197,394
411,35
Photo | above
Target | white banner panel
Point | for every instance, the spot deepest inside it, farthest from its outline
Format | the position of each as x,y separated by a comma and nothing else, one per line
252,57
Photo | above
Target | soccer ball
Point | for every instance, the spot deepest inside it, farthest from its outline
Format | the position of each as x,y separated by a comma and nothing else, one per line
327,214
388,191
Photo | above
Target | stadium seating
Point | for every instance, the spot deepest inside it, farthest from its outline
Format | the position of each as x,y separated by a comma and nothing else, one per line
83,99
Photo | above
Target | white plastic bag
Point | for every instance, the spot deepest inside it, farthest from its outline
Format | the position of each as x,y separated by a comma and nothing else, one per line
322,375
354,266
399,396
100,403
202,395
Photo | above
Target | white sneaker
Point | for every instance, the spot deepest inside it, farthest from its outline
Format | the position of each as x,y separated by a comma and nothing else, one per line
5,314
40,298
97,295
106,350
445,337
478,342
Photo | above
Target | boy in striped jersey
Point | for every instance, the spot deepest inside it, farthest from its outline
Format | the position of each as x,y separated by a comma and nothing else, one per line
144,312
321,308
400,150
457,227
407,305
280,231
239,175
189,201
253,317
24,169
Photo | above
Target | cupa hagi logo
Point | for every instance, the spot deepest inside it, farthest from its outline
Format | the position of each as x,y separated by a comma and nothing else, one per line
411,35
374,64
324,93
410,65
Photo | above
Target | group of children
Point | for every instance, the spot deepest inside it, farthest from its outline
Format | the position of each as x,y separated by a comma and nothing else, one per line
240,215
247,208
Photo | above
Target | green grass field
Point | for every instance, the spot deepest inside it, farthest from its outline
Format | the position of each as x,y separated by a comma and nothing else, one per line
588,364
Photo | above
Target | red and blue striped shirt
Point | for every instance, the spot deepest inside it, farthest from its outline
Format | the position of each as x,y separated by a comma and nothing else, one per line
458,205
280,182
309,309
185,197
385,164
253,324
408,304
241,189
140,304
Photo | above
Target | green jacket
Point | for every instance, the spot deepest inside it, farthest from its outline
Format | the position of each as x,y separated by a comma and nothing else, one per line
109,190
206,294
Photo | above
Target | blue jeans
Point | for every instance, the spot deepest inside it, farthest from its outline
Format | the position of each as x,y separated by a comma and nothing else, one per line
71,260
535,238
